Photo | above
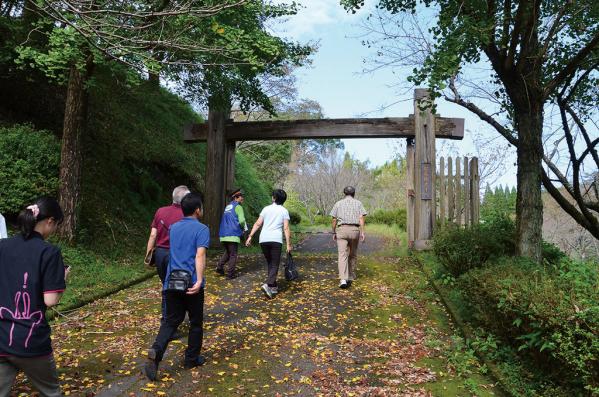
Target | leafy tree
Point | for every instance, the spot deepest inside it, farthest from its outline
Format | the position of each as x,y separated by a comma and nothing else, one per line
539,53
500,203
223,43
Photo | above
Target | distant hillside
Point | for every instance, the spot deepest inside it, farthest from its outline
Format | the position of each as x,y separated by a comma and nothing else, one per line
560,229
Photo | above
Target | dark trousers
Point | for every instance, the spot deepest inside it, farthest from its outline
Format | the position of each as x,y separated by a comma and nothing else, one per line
272,253
177,304
162,257
41,372
229,258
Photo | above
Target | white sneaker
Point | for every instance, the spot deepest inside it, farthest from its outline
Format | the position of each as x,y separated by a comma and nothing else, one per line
275,290
267,291
343,284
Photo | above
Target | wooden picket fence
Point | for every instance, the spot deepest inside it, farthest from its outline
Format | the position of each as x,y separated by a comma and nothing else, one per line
458,193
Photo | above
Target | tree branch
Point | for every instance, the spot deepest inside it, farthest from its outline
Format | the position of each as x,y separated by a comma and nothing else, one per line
507,134
592,227
572,66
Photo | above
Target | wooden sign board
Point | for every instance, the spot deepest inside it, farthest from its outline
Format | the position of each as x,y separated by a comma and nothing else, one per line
426,181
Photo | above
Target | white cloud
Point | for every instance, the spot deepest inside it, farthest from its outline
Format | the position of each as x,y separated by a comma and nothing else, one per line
313,18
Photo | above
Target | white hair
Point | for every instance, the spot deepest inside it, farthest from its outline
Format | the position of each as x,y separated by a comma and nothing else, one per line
179,192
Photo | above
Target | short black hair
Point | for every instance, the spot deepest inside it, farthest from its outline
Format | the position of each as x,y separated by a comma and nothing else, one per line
349,191
279,195
190,203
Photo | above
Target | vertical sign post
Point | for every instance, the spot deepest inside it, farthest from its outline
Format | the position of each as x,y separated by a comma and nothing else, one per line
424,124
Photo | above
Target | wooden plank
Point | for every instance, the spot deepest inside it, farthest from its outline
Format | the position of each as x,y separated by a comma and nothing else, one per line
466,192
450,191
442,187
230,166
389,127
458,192
424,123
475,191
410,200
214,189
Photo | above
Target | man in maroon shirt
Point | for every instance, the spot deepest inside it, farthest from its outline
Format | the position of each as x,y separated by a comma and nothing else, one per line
159,232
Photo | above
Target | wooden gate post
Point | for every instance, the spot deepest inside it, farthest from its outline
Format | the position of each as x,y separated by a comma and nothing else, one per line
474,190
410,199
230,166
442,190
216,156
425,159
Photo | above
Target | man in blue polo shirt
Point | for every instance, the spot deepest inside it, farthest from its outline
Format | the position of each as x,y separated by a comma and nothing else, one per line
189,240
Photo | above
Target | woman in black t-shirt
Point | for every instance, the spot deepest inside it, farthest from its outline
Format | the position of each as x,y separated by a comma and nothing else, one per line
32,278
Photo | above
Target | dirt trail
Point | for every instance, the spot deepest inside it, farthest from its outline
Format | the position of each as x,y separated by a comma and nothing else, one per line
323,243
385,336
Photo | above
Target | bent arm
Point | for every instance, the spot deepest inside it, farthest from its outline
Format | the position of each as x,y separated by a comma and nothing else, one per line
241,217
151,240
200,262
52,298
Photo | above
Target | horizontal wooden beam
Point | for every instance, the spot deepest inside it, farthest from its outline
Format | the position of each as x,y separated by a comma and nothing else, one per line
401,127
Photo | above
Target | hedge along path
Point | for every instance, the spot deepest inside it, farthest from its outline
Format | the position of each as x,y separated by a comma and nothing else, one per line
388,335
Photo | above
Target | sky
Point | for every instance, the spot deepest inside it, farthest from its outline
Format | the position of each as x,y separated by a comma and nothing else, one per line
336,80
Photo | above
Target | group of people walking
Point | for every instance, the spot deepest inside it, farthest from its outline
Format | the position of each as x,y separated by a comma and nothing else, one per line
34,275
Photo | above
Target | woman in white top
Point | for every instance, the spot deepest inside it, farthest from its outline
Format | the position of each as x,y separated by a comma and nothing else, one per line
274,220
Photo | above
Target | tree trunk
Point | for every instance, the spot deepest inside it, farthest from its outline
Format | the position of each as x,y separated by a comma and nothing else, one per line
70,155
529,204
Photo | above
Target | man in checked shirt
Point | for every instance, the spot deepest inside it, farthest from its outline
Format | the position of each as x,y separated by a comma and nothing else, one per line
348,229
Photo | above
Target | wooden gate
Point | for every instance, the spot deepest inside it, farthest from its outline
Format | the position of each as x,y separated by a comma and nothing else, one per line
458,197
421,130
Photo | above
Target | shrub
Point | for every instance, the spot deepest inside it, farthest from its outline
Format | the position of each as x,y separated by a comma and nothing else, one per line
462,249
550,313
29,161
294,218
551,253
389,217
322,220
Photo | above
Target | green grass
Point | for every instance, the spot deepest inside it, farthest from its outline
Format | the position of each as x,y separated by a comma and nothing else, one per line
93,276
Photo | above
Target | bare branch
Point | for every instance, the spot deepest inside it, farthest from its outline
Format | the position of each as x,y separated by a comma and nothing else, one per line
507,134
572,66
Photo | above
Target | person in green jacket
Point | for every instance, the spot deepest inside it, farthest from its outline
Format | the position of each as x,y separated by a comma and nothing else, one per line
232,226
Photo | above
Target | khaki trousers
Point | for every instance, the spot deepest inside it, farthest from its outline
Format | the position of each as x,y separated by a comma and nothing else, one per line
347,246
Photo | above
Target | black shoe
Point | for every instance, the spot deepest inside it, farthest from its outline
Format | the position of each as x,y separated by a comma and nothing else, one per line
232,276
151,366
200,360
220,271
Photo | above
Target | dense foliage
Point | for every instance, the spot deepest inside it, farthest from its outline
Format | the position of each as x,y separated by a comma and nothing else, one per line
550,313
389,217
547,312
28,166
134,156
461,249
